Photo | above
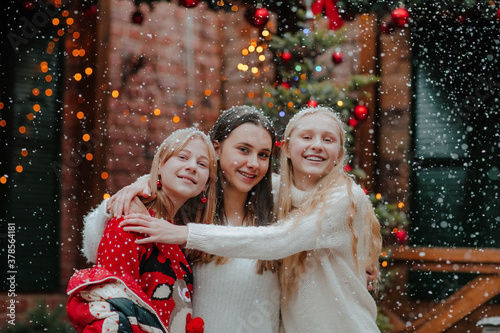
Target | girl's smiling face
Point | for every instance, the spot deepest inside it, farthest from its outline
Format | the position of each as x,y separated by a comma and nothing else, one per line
244,157
314,148
185,174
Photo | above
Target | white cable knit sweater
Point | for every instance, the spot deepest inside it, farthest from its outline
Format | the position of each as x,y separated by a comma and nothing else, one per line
332,294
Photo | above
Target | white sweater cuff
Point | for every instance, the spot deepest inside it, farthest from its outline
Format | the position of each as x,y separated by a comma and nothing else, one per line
196,236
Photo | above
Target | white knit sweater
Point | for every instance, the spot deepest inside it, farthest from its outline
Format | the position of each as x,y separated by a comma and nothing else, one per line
332,294
232,297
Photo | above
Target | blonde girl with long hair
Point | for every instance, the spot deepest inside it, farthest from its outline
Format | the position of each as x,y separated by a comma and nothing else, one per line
148,287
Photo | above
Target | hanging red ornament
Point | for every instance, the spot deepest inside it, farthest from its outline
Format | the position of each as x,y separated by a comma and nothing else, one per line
360,112
137,17
189,3
286,56
258,17
460,18
347,168
29,5
329,7
386,27
352,122
400,17
498,15
312,103
401,236
90,10
337,57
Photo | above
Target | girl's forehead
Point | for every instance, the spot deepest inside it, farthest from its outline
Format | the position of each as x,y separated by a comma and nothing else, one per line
316,120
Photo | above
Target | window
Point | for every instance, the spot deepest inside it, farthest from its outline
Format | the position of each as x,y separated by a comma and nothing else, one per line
31,94
456,146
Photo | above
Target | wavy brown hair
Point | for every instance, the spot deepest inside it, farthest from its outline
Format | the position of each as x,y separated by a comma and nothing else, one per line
259,202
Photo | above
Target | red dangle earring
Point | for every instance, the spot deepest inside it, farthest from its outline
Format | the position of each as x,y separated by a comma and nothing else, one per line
203,198
158,184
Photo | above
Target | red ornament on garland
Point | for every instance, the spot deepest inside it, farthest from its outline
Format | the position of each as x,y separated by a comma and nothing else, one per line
400,17
337,57
189,3
137,17
360,112
258,17
29,5
312,103
286,56
90,10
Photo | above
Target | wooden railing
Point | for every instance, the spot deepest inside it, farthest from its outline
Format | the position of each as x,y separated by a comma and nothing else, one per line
485,286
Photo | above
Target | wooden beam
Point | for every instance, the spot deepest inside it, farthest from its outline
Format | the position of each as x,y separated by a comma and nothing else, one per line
454,308
438,254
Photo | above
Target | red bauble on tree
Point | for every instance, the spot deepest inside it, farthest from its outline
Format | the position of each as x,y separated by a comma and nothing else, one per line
189,3
258,17
401,236
286,56
137,17
352,122
360,112
337,57
312,103
285,85
400,17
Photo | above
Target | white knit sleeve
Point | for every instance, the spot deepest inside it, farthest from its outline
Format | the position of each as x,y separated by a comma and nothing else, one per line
94,224
277,241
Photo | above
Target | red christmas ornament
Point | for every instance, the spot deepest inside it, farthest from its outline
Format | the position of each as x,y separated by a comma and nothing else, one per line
29,5
347,168
285,85
137,17
401,236
353,122
203,199
498,15
189,3
258,17
90,10
400,17
312,103
286,56
337,57
386,28
360,112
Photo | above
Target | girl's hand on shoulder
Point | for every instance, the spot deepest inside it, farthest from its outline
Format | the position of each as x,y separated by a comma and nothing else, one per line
120,203
157,230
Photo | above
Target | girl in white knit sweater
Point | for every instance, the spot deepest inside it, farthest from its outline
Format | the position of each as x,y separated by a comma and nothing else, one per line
231,295
327,233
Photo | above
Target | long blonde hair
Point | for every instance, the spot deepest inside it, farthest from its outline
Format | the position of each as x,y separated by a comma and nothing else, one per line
295,265
193,210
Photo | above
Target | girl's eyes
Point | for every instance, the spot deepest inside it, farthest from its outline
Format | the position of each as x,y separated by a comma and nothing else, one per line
264,155
243,149
203,164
